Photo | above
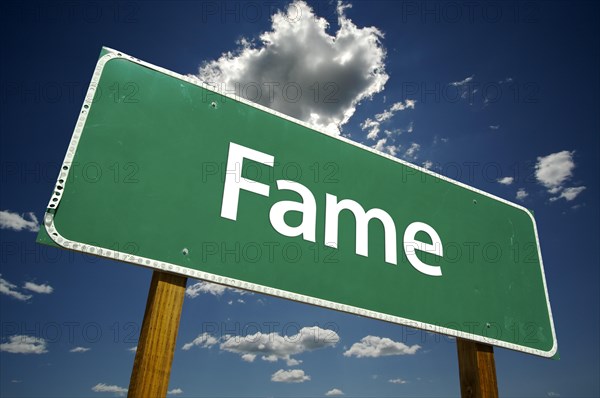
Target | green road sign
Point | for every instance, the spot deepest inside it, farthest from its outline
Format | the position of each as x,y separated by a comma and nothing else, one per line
164,172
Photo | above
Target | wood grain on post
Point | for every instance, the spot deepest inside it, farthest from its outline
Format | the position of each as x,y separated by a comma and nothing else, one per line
477,369
156,346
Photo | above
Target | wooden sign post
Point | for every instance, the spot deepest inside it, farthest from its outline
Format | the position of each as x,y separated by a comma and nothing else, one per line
477,369
156,346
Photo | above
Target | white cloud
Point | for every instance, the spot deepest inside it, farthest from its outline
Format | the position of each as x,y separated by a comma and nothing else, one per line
196,289
289,376
21,344
332,72
199,288
506,180
41,289
495,127
10,290
271,347
554,170
374,347
411,152
522,194
14,221
553,394
462,82
569,194
389,149
335,392
428,164
466,90
175,391
248,357
101,387
374,126
391,111
132,349
204,340
80,349
397,381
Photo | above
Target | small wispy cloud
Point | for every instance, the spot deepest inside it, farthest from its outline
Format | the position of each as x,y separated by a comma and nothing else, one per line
18,222
462,82
102,387
569,194
175,391
521,194
11,290
506,180
411,152
40,289
335,392
205,340
397,381
22,344
213,289
383,147
495,127
373,127
80,349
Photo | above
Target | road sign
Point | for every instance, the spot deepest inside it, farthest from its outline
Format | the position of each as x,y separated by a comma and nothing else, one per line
165,172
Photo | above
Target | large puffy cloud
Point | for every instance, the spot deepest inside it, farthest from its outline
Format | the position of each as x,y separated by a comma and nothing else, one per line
374,347
301,70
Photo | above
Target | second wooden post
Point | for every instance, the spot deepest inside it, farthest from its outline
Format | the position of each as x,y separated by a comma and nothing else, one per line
477,369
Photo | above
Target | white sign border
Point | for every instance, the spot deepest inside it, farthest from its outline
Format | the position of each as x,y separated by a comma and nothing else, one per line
238,284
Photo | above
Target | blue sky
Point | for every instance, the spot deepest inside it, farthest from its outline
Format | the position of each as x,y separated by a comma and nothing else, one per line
501,96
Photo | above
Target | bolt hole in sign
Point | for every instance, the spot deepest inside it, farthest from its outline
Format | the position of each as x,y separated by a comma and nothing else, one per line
165,172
